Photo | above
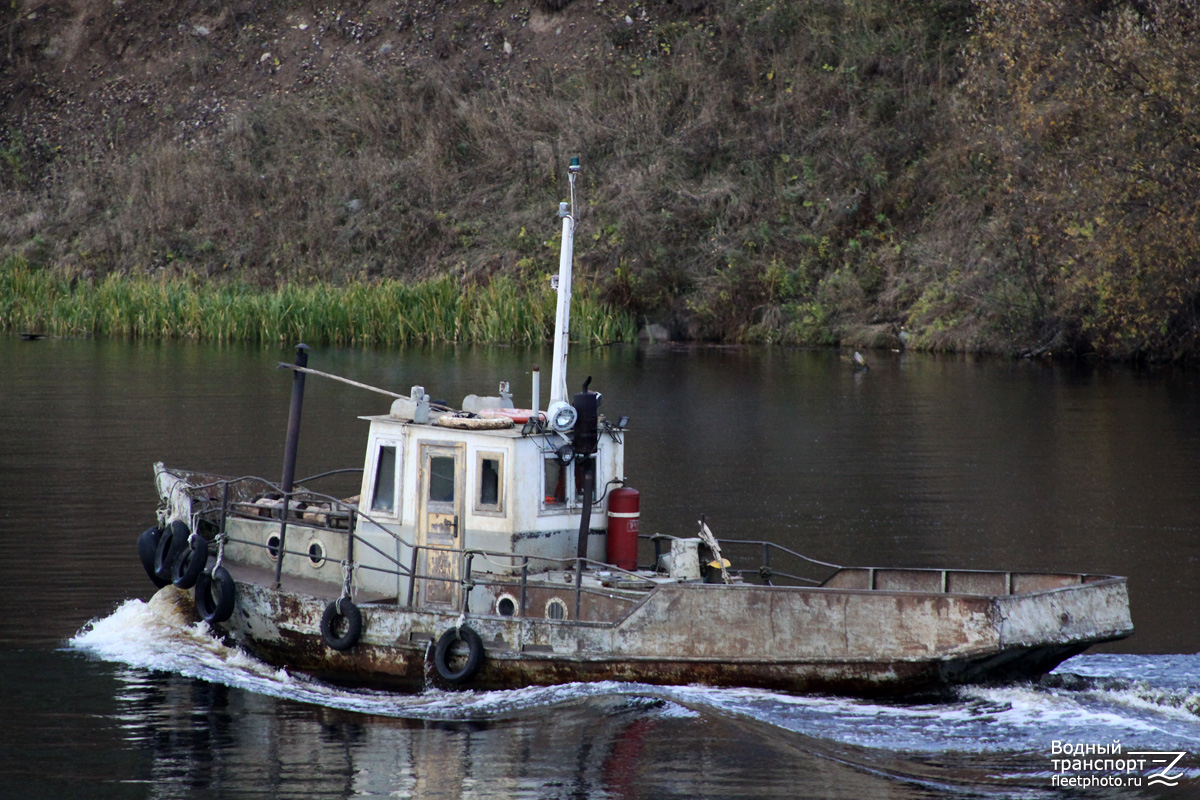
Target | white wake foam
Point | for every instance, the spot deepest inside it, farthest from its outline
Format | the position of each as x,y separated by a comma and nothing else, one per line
1109,704
161,635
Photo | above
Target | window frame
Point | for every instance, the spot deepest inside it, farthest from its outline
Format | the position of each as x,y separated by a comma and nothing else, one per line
437,480
568,488
572,499
397,471
478,506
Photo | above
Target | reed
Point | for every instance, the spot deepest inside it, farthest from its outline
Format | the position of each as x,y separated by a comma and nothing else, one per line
357,313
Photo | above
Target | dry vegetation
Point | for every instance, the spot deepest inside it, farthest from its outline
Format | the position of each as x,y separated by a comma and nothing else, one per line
1000,176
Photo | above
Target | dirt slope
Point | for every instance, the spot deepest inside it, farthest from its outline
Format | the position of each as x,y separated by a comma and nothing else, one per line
70,67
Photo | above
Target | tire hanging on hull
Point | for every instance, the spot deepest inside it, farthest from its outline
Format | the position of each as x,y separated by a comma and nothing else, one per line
190,563
147,545
215,595
441,655
171,545
338,610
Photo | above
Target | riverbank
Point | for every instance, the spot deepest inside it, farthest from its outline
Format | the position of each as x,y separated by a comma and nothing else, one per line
995,176
361,312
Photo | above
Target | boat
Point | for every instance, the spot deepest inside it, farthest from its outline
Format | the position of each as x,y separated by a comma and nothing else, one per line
495,547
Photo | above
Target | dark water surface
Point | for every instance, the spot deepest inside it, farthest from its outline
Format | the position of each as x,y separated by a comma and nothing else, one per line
918,461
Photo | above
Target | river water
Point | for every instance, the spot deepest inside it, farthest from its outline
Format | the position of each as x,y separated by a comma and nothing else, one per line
918,461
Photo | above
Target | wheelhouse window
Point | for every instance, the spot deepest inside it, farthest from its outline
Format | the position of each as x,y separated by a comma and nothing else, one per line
555,485
383,498
441,479
490,482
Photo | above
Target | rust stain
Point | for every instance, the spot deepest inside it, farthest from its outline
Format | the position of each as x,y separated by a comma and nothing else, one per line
816,641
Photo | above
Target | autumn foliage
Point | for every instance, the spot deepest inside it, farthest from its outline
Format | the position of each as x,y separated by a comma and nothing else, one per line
1003,175
1083,122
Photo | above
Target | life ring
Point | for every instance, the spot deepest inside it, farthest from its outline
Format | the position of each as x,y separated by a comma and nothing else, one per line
170,547
341,609
147,545
214,595
515,414
475,423
474,660
190,563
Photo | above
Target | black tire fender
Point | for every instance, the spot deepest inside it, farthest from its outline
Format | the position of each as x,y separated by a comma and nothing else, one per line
190,563
147,545
341,609
170,547
474,661
215,595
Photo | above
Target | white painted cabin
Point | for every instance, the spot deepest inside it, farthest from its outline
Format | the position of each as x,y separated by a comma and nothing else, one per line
505,493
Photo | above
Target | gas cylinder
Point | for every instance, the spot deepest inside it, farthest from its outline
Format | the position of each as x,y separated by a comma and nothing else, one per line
623,513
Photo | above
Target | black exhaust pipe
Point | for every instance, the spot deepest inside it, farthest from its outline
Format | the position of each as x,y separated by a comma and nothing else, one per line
293,429
586,440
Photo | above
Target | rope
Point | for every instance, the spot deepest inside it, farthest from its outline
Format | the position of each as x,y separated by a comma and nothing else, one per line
221,537
511,568
368,387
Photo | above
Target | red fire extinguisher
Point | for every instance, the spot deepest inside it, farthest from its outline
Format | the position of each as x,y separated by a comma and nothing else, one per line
623,513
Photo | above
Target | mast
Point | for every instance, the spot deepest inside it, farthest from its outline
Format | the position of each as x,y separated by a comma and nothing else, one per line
562,317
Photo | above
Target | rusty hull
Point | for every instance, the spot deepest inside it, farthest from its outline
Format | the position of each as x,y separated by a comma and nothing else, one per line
846,641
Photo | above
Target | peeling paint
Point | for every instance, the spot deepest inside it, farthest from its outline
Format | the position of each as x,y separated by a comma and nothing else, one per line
780,638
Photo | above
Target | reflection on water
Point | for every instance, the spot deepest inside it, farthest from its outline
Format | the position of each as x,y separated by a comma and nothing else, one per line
916,461
201,709
204,703
200,735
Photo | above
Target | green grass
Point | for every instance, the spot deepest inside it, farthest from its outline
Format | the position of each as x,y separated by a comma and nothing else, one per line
359,313
720,143
766,171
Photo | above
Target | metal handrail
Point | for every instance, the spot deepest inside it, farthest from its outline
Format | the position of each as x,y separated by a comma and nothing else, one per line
578,563
285,512
789,551
337,506
765,571
320,475
338,509
308,493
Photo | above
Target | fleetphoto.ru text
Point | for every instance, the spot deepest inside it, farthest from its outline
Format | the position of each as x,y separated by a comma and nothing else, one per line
1085,766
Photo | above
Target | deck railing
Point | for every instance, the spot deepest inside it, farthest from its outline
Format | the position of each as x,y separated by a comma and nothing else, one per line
242,497
753,561
762,562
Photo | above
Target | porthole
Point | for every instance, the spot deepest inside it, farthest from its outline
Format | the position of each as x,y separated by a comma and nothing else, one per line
506,605
273,546
316,553
556,609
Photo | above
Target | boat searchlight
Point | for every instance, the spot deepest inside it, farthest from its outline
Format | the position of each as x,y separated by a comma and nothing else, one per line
562,416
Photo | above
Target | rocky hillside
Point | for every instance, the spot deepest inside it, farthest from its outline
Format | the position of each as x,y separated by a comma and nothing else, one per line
1000,176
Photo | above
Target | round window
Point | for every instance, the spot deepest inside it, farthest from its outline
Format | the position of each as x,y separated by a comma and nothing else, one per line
273,545
316,553
506,605
556,609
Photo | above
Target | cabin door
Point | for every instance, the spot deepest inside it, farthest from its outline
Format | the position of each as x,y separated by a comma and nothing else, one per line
439,526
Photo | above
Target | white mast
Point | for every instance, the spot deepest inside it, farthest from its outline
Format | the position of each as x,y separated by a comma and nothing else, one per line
562,317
